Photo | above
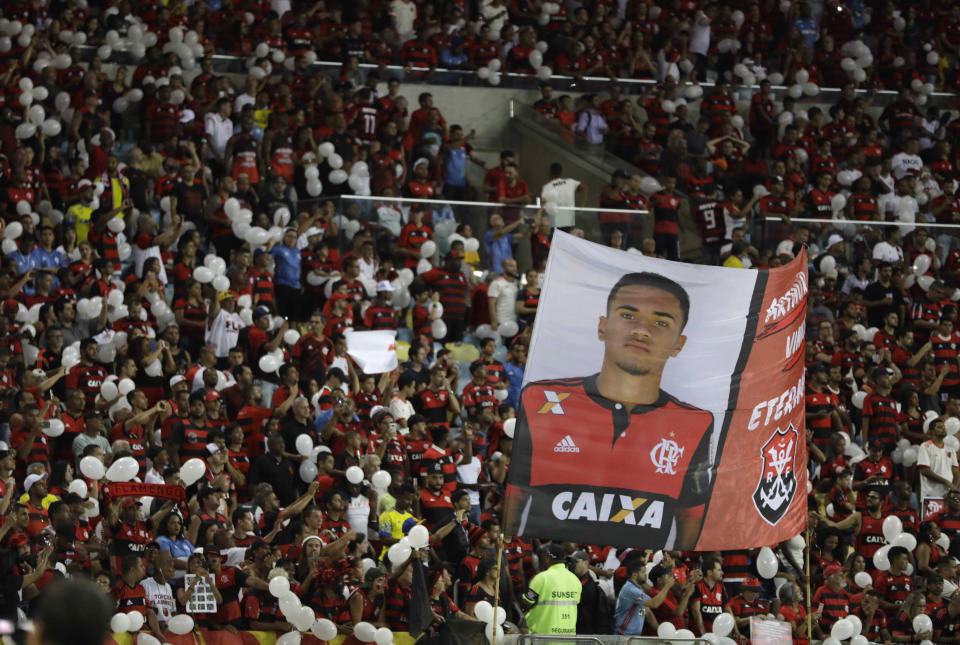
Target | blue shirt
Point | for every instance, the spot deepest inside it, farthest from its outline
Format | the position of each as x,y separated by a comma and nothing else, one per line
179,548
26,262
628,616
498,250
455,167
449,59
808,29
287,270
515,374
48,259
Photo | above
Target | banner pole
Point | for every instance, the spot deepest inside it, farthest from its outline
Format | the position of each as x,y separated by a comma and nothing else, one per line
807,573
496,593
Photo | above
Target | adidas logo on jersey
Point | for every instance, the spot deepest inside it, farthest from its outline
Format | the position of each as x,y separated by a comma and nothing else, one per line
566,445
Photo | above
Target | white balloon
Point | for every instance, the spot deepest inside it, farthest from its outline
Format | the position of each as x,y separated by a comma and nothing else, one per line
269,363
428,249
364,631
51,127
484,611
308,471
383,636
180,624
922,623
493,632
79,487
126,386
880,558
666,630
108,390
290,638
120,623
92,468
842,629
136,621
438,329
304,444
508,329
324,629
419,536
381,480
53,427
123,469
203,275
192,470
354,474
723,624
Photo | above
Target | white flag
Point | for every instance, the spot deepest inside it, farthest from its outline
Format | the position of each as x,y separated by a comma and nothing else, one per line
375,352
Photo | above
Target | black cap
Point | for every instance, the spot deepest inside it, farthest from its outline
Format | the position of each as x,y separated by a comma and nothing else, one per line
620,173
576,556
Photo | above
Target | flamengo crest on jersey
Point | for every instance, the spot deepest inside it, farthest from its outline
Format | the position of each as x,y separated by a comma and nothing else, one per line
778,481
665,456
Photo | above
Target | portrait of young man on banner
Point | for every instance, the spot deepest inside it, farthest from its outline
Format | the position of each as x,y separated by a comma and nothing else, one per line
629,452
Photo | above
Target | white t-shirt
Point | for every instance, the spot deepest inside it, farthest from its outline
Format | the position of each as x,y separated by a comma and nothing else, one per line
242,100
470,474
562,192
505,291
390,218
220,131
405,14
496,17
400,409
159,597
224,331
902,163
358,514
700,34
886,252
941,461
368,269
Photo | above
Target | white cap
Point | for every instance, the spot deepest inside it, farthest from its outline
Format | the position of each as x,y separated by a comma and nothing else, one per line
384,285
31,480
313,230
177,379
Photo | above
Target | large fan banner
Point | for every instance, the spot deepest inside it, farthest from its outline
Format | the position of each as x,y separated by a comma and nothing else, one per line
663,404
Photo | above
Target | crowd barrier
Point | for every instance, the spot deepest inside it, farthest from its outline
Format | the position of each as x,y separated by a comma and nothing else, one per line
221,637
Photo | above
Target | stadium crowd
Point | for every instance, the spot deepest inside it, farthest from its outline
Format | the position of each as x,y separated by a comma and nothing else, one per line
180,273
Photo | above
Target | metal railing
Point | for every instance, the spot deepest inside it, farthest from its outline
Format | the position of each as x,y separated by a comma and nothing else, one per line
226,63
603,639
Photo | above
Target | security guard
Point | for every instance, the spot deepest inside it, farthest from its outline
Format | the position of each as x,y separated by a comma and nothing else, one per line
553,596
